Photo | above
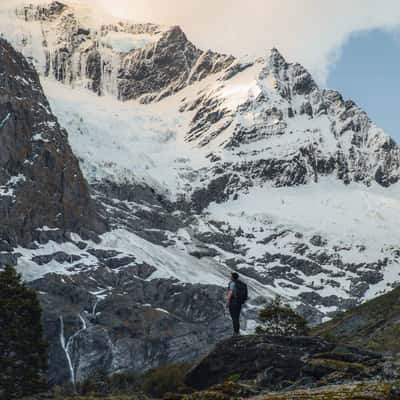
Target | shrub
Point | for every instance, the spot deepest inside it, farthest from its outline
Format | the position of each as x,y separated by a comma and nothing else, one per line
279,319
234,378
167,379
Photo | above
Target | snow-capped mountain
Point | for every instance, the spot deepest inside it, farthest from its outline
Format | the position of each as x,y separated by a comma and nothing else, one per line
128,60
199,164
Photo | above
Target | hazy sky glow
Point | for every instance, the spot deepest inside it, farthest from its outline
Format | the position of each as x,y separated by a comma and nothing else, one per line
309,31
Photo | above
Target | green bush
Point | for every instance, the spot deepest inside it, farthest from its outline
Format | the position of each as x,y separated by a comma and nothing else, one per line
280,320
167,379
234,378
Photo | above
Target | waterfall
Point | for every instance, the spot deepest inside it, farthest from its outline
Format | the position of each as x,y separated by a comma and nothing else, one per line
5,120
67,345
94,308
64,346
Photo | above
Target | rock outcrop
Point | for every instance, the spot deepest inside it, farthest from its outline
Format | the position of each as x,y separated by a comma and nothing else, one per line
277,362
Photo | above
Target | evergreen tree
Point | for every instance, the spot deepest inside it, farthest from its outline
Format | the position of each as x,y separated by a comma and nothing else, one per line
23,358
279,319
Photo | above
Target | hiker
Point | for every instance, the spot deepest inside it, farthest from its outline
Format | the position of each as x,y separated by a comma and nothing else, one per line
237,296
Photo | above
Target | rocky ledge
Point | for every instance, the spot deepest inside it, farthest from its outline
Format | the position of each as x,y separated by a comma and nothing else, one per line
277,363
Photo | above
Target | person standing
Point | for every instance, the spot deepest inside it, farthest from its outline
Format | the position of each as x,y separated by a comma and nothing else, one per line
237,296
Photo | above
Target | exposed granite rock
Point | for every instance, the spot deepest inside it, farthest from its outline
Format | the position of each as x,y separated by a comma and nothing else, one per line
140,209
216,191
60,257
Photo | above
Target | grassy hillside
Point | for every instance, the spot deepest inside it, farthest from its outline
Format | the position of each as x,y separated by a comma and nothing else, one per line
374,325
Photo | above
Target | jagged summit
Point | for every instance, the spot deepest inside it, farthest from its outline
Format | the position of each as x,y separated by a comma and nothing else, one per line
128,60
276,59
284,128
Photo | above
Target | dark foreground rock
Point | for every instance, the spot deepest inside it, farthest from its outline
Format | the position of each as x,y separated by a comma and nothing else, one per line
351,391
278,362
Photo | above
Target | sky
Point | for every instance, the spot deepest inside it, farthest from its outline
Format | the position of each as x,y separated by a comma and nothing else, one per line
368,72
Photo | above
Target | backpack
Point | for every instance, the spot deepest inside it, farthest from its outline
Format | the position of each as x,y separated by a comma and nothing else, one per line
241,292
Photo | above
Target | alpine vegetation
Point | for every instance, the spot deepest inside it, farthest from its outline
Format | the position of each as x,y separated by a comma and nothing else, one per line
279,319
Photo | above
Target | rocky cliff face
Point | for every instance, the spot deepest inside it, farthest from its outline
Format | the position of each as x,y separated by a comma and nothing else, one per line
127,60
216,164
129,324
42,187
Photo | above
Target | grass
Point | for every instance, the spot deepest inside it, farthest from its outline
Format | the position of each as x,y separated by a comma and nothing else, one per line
372,325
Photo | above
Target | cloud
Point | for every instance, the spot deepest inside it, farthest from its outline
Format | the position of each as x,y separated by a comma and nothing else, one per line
311,32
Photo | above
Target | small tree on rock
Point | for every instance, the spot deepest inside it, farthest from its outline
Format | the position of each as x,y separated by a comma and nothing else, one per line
280,320
23,359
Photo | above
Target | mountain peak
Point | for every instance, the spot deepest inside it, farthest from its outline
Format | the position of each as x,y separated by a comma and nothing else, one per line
125,59
276,59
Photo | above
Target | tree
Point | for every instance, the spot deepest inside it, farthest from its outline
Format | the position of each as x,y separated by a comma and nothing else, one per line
23,358
279,319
